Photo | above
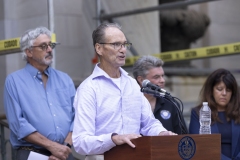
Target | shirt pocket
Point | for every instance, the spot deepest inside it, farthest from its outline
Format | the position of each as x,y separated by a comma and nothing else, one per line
63,97
132,107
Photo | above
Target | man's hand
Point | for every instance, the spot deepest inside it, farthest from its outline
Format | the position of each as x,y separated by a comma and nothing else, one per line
167,133
53,158
56,152
59,151
125,138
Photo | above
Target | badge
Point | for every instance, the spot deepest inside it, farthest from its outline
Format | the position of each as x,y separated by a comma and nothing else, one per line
165,114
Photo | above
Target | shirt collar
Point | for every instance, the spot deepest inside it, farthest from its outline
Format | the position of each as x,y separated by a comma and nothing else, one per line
159,103
97,72
34,71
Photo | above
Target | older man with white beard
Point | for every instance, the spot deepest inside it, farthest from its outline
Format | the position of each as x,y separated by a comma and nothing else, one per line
38,101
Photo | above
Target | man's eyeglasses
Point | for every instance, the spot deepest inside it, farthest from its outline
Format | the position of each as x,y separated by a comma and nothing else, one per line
44,46
118,46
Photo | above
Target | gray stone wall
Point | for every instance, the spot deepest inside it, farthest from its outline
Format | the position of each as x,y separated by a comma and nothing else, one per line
223,29
74,23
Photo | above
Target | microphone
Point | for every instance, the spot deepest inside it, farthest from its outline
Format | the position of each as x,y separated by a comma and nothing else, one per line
152,92
147,83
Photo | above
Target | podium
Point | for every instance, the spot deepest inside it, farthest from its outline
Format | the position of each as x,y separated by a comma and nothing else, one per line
186,147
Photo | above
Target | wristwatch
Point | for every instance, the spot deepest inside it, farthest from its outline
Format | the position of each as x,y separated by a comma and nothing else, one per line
114,134
67,144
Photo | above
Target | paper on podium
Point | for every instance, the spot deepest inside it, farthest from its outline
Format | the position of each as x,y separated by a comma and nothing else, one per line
38,156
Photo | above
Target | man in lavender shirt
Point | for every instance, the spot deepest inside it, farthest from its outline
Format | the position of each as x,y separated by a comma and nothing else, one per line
110,109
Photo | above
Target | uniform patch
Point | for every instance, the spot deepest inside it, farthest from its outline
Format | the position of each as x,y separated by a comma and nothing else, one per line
165,114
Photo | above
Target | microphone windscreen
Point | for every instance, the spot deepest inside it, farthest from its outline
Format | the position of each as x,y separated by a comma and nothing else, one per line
145,82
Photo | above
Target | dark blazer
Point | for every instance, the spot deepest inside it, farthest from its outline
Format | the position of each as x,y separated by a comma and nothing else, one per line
194,129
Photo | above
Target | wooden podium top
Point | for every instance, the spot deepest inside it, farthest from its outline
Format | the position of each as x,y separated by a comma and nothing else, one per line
189,146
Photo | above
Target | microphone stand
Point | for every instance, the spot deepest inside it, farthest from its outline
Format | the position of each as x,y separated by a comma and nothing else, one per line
174,100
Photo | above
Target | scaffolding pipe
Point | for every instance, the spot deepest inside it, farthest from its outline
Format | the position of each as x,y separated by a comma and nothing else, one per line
150,9
98,9
51,27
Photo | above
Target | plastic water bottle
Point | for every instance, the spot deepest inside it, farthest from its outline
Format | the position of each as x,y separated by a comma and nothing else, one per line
205,119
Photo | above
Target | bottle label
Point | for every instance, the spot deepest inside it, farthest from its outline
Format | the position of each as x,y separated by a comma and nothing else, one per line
205,120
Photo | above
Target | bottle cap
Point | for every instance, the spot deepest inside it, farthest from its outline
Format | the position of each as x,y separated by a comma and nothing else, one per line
205,103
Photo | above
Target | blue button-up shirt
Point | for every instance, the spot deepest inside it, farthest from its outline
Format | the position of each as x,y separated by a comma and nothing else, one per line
103,108
30,107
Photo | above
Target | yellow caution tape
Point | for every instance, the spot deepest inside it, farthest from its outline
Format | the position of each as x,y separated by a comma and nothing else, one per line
9,44
189,54
53,37
6,46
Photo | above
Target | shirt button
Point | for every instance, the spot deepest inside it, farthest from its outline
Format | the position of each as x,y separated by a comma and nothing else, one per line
40,82
50,104
57,126
54,115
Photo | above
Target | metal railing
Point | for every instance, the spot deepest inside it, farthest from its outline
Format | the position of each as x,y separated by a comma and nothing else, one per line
172,5
4,141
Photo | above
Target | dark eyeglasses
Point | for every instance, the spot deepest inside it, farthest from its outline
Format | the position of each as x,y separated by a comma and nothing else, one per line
118,46
44,46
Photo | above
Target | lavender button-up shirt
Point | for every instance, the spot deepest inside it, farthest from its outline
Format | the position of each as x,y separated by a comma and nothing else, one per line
102,108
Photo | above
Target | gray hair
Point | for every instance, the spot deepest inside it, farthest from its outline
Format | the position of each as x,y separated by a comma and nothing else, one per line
99,33
28,38
143,64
